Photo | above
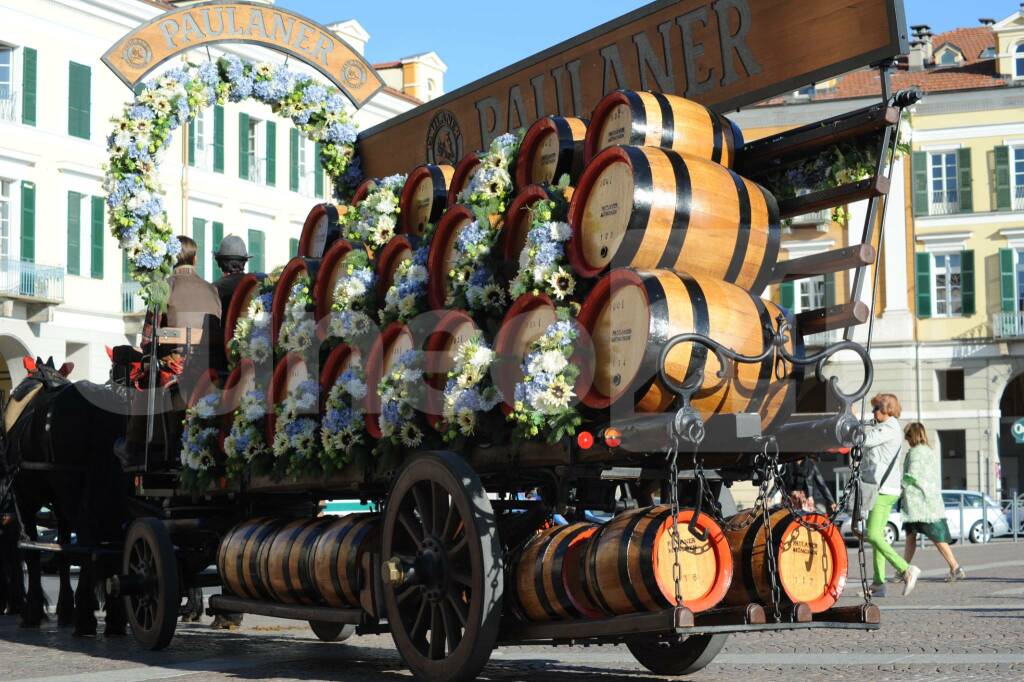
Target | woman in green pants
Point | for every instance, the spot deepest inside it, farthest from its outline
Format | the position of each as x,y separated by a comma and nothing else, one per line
882,445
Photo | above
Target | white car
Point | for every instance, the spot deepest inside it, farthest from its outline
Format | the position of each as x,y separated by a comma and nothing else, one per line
973,508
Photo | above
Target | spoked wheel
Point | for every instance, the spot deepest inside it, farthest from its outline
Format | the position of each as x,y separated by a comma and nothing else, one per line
149,559
443,568
676,658
332,632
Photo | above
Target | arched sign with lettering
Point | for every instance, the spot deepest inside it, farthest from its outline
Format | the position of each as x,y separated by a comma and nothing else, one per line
170,34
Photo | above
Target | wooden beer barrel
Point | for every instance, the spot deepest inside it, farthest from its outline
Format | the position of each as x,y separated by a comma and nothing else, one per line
629,561
336,364
424,197
549,575
296,268
289,561
518,221
452,329
631,314
395,340
442,252
362,190
238,557
527,319
332,268
291,370
654,119
398,249
552,147
462,176
651,208
812,564
337,558
248,288
321,229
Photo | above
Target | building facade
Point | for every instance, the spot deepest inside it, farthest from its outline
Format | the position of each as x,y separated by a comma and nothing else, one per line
63,288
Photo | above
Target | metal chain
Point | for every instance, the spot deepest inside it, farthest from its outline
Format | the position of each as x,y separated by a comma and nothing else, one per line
770,453
800,516
673,501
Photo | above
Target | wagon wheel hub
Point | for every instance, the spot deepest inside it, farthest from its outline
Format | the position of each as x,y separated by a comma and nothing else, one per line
431,568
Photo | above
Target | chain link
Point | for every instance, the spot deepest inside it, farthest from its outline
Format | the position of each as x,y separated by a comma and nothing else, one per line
673,497
770,458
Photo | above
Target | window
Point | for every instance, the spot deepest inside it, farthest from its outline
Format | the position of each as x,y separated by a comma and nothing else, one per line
1017,177
252,149
79,100
810,294
307,167
1018,255
946,291
948,58
950,384
953,444
942,173
5,218
7,97
1019,62
431,88
257,262
202,133
988,53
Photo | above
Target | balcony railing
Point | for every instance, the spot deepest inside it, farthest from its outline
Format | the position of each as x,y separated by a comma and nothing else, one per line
131,299
819,218
1018,198
1008,325
944,203
9,106
21,279
824,338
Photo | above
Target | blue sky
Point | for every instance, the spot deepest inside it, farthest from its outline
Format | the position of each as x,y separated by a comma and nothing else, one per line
474,40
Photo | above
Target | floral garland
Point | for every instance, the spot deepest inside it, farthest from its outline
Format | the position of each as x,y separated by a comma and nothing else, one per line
295,437
469,391
543,266
400,391
344,424
199,448
137,215
252,338
373,220
407,296
353,297
490,188
298,330
543,399
246,444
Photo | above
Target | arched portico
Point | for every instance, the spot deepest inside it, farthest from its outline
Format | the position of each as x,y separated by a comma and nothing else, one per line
12,371
1011,452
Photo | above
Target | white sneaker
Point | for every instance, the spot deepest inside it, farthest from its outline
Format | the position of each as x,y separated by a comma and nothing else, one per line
910,577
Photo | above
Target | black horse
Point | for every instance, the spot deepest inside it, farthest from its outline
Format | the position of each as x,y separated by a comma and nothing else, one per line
58,439
12,580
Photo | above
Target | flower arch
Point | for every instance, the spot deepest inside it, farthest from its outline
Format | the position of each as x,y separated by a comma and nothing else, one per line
137,216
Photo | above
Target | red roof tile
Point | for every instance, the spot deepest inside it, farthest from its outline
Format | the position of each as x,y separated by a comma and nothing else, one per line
970,41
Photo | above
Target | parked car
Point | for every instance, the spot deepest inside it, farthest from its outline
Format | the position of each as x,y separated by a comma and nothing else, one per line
974,529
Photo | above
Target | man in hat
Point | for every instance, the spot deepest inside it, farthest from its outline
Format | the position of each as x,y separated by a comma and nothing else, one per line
231,258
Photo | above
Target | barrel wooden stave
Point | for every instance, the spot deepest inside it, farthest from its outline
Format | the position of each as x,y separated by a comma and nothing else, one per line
442,252
549,575
424,197
239,557
525,321
553,146
654,119
295,269
320,230
289,561
337,558
464,172
811,564
652,208
395,340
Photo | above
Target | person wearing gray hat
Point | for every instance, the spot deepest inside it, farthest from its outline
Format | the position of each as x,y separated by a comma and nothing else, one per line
231,257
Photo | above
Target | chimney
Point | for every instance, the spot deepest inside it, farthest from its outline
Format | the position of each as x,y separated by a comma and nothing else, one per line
915,60
926,47
987,22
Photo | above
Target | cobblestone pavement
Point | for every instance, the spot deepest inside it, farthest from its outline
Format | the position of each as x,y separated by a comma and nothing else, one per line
967,631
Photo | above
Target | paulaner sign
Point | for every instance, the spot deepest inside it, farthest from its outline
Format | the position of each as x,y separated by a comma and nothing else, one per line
723,53
170,34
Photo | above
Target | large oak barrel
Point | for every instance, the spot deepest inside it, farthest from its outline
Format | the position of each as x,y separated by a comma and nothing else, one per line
629,561
337,363
463,175
248,288
552,147
332,268
296,269
290,371
549,575
631,314
452,329
651,208
395,340
442,252
289,562
363,190
812,564
518,221
424,197
337,558
527,319
239,556
321,229
400,248
654,119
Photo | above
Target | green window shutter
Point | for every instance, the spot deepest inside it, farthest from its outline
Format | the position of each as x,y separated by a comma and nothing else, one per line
217,237
965,196
967,305
256,261
919,172
787,295
243,146
293,247
96,239
924,285
74,233
830,289
271,153
29,66
1007,283
199,235
79,100
192,142
28,222
1004,194
125,273
319,170
293,160
218,139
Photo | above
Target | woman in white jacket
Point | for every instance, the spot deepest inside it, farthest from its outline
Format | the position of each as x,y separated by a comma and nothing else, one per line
881,467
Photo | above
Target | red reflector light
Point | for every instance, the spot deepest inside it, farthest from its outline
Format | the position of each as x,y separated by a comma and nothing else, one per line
612,438
585,440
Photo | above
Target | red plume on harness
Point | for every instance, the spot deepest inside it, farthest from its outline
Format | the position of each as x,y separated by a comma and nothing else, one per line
29,364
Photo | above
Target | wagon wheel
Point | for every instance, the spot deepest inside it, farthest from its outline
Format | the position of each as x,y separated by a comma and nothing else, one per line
152,609
331,632
443,568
